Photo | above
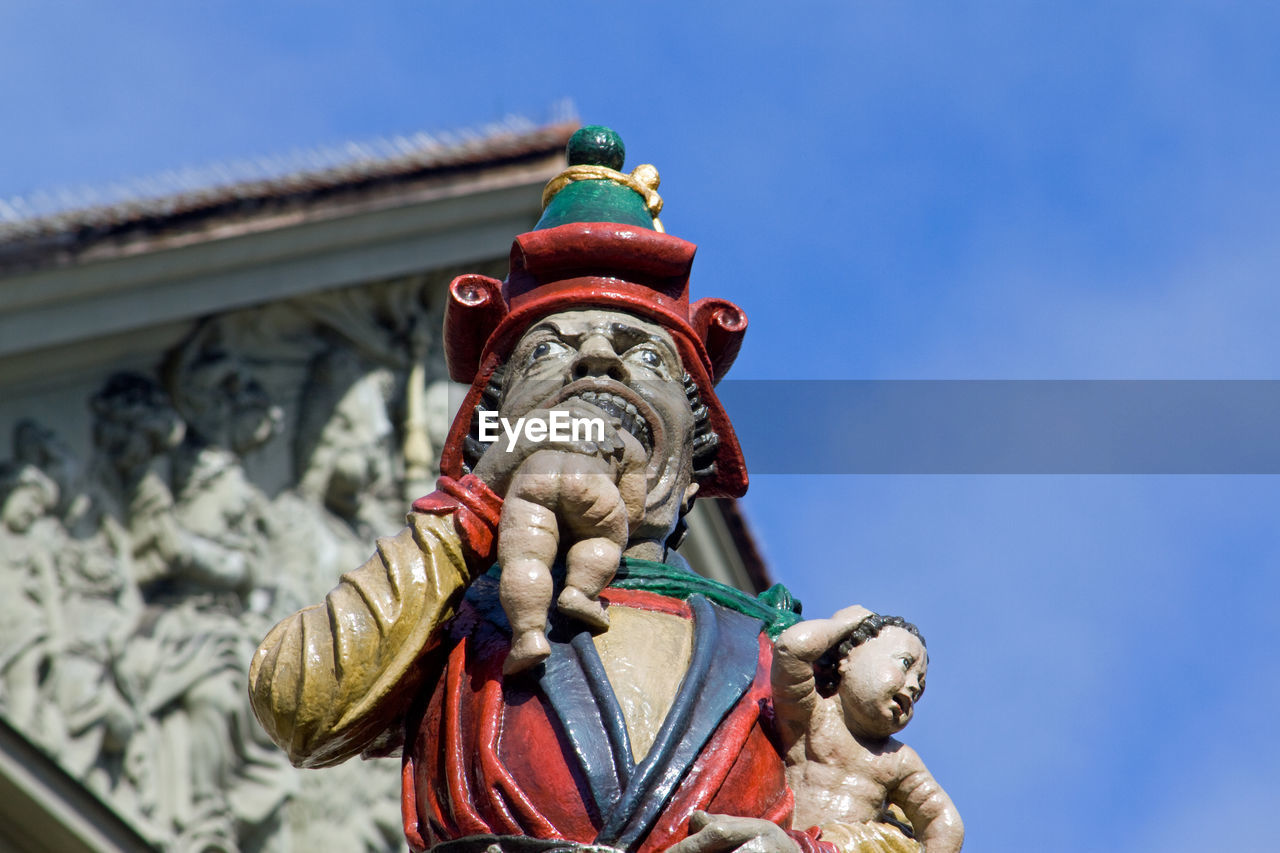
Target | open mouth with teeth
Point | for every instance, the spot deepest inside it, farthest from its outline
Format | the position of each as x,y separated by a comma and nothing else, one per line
627,414
620,403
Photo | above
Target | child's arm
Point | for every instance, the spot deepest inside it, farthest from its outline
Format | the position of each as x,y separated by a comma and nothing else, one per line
633,478
795,651
933,816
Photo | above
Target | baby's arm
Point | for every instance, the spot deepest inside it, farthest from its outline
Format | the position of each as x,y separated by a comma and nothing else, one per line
796,649
933,816
633,481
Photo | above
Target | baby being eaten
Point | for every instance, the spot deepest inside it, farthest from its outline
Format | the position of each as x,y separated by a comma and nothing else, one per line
597,498
842,687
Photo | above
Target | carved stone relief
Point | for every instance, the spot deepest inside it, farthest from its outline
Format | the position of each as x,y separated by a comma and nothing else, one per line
225,488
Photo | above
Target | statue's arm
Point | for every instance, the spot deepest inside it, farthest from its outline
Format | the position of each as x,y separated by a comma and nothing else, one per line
793,687
806,641
794,653
331,678
933,816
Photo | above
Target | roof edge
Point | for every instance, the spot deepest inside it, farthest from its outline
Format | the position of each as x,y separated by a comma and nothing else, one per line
386,166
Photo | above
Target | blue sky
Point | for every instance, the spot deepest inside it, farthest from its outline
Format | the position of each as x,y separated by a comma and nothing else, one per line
892,190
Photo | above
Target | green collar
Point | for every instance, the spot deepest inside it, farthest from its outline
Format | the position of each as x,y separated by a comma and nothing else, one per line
775,607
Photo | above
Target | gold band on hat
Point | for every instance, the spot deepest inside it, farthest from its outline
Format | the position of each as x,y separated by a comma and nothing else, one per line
644,179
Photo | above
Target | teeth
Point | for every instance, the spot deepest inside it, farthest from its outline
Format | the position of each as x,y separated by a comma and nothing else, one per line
626,413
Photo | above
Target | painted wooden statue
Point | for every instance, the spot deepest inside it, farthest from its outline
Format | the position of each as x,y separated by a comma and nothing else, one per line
556,676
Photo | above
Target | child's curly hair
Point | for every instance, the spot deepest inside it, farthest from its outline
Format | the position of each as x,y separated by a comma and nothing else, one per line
826,669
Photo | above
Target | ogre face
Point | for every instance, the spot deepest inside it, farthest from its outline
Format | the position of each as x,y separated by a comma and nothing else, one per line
629,370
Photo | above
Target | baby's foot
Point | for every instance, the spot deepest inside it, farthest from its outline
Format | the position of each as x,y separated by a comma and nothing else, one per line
528,649
574,602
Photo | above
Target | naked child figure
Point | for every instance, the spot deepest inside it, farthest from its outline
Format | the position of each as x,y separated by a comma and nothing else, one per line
599,499
842,687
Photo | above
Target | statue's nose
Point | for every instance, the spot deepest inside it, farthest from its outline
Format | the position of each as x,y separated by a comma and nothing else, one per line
597,358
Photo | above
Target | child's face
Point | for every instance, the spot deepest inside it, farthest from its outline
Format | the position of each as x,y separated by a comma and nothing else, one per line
22,507
880,682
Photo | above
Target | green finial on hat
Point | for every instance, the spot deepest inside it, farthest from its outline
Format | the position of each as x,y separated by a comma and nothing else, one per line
595,189
596,145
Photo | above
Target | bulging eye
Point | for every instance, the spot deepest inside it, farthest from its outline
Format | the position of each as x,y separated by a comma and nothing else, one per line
545,349
646,356
906,663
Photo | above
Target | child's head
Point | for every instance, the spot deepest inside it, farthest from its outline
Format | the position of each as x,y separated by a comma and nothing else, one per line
878,670
26,493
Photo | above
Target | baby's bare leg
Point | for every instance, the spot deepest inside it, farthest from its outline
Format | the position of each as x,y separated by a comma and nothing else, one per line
597,517
591,564
527,541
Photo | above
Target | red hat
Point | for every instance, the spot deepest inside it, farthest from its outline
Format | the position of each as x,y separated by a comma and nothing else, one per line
578,257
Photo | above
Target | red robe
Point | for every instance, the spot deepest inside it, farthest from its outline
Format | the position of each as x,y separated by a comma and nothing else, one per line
484,758
547,756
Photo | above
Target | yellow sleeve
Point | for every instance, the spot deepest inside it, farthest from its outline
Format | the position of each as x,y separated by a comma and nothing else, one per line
331,678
